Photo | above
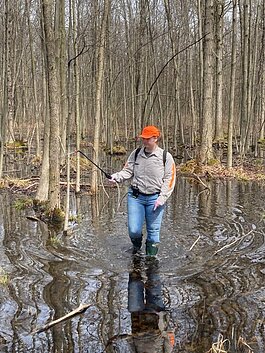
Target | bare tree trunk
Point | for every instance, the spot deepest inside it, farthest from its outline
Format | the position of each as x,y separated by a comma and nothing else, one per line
3,103
60,48
245,70
9,29
254,87
36,104
43,187
139,66
219,15
178,126
262,111
232,88
78,123
54,107
201,66
262,91
101,58
205,149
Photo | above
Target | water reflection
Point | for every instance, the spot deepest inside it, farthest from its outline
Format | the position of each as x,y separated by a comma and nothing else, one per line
149,317
216,286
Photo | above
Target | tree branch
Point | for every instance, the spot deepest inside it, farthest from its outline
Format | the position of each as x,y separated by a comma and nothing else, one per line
156,79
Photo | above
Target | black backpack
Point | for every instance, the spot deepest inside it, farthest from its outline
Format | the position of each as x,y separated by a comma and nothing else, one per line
139,149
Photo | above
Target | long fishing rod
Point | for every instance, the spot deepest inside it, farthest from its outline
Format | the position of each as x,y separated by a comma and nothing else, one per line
108,176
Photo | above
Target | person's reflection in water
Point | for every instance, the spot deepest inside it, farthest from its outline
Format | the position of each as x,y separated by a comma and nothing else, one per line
150,320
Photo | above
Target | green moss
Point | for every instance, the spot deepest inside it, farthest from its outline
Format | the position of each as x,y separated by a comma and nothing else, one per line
188,167
54,241
260,176
21,204
3,184
75,218
18,145
40,206
117,150
3,277
243,177
261,142
56,215
213,161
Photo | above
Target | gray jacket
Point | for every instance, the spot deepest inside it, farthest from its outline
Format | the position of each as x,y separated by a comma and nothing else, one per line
149,174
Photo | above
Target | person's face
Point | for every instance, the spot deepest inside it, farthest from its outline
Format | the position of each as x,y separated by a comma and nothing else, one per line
150,143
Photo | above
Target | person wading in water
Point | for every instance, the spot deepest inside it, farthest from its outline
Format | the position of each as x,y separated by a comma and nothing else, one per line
153,174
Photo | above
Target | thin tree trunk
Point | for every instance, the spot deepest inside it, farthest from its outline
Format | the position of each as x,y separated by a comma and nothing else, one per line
245,70
101,58
219,15
43,187
54,107
36,104
10,42
62,71
232,88
3,102
205,149
201,66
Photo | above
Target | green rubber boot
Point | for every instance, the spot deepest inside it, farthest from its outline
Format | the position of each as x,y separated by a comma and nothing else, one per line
151,249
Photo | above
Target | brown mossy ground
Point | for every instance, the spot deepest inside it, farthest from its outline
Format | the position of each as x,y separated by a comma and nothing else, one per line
215,170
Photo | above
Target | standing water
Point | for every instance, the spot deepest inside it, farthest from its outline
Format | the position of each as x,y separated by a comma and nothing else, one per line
205,286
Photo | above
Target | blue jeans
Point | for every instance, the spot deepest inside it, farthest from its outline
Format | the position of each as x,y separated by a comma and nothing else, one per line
140,210
143,297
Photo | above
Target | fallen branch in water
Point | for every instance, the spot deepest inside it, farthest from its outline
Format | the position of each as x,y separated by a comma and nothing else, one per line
233,242
79,310
196,177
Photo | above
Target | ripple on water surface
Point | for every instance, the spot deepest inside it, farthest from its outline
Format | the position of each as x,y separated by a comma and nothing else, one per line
209,273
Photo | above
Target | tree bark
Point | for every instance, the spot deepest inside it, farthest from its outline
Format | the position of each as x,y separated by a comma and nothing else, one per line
10,42
43,187
101,58
219,16
205,149
245,71
232,88
54,106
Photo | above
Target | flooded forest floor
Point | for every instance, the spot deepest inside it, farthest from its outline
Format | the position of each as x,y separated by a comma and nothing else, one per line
203,293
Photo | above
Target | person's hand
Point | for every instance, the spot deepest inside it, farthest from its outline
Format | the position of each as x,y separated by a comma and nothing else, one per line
157,204
112,180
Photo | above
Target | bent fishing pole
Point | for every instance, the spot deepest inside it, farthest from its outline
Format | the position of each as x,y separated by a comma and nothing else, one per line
108,176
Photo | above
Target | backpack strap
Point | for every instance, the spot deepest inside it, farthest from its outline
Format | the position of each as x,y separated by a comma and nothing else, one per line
164,157
136,153
139,149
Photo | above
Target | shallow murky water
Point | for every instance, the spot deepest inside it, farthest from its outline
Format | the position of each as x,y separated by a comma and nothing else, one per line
208,279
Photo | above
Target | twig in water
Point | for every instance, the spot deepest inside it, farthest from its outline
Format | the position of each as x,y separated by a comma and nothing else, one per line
79,310
196,241
219,346
233,242
244,343
195,176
